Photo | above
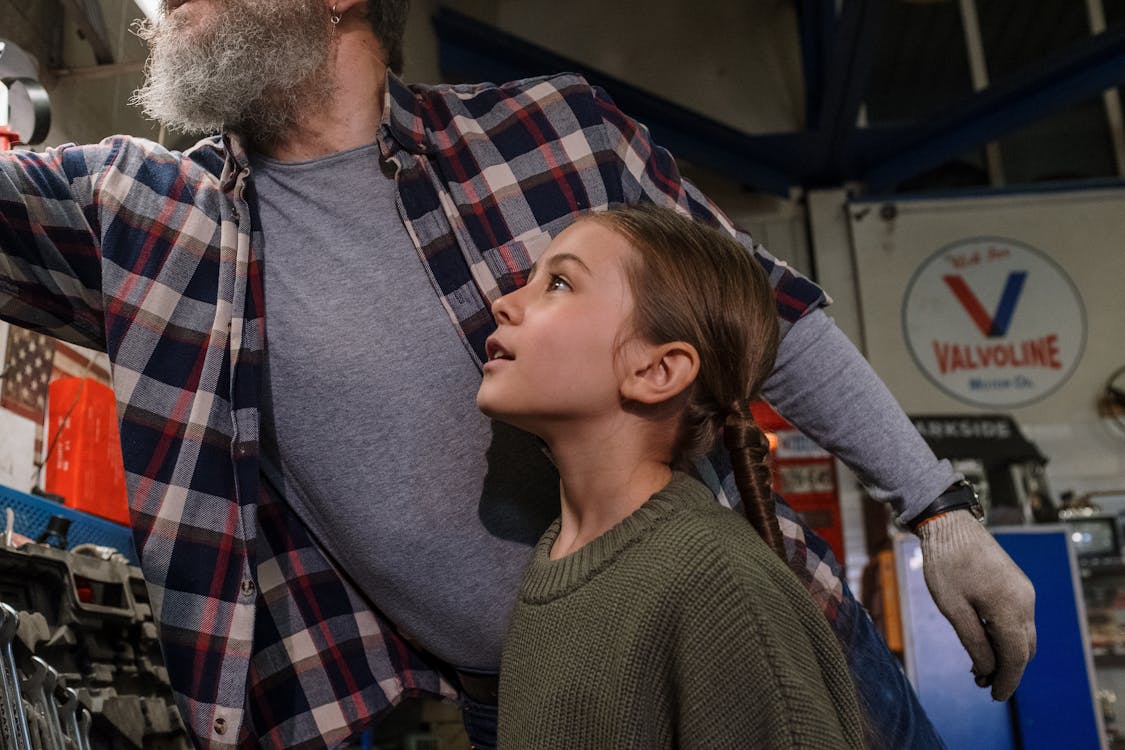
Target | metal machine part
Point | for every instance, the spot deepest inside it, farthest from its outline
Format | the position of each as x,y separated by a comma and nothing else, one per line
14,733
25,107
80,665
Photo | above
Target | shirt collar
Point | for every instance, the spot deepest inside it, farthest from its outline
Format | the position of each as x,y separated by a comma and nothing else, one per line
236,162
236,146
402,115
402,118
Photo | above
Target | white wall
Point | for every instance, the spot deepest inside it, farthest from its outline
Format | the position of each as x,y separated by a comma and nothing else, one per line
1081,232
738,62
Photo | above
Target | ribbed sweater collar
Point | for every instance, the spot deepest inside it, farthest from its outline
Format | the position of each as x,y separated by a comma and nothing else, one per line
548,579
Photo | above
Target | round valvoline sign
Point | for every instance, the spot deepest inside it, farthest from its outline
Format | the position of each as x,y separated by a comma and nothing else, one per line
994,322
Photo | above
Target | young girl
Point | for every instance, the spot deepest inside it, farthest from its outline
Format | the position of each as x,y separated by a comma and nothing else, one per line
651,616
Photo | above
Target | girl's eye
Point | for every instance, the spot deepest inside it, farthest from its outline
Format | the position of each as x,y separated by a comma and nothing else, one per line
557,283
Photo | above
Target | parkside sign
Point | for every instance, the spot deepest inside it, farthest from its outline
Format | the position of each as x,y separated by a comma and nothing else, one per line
994,322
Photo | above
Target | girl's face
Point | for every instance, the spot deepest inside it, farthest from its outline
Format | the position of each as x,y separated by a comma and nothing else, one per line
554,357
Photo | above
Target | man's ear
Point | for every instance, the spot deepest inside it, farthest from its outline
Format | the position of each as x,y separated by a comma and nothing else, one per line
659,373
343,6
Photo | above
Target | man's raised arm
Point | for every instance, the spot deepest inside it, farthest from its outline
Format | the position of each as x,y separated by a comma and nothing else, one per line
826,388
50,259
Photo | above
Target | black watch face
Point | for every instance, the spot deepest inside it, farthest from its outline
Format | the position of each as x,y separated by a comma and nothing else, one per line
964,496
970,494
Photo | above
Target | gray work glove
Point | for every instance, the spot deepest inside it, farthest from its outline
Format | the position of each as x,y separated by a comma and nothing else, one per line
988,600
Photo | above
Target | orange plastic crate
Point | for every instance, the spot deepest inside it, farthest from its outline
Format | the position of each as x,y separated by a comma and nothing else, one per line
85,465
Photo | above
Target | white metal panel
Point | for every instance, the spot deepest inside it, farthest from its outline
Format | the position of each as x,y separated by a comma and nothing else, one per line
1082,232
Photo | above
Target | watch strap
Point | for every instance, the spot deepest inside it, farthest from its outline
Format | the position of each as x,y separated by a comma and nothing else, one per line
959,496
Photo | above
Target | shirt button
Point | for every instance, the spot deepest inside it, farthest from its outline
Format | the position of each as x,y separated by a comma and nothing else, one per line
220,725
247,587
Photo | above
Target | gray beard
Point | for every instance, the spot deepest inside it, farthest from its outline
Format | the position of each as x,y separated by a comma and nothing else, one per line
254,67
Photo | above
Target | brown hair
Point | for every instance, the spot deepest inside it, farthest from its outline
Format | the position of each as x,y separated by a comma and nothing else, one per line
695,283
388,21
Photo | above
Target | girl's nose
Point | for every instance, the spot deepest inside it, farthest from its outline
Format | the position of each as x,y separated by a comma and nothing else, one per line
506,310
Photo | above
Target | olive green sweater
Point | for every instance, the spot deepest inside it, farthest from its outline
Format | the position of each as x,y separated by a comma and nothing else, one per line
678,628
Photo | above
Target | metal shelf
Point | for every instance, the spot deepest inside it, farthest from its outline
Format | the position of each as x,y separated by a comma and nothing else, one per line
32,514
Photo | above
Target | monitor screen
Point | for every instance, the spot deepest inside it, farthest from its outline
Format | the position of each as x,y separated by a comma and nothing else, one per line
1093,536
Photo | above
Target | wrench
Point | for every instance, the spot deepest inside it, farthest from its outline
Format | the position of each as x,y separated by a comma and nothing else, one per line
15,730
52,704
36,715
84,720
40,689
68,717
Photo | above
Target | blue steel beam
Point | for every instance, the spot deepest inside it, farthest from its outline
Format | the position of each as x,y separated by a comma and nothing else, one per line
882,156
854,44
1081,72
816,20
471,50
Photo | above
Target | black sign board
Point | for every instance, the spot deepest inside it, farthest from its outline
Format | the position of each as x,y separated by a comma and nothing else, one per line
994,438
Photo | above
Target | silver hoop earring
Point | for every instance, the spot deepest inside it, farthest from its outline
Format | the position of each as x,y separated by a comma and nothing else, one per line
335,17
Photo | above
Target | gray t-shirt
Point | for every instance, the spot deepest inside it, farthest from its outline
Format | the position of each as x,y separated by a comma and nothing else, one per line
370,415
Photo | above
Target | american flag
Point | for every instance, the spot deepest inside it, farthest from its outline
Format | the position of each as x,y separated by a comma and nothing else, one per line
29,360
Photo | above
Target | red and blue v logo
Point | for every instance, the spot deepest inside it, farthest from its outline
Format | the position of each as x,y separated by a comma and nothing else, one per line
996,325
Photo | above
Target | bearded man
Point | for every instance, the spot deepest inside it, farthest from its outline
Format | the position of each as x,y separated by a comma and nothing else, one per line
326,523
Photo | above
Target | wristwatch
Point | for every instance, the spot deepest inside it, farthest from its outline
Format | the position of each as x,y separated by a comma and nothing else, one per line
960,496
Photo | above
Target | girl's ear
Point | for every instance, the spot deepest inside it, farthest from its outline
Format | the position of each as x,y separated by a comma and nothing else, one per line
659,373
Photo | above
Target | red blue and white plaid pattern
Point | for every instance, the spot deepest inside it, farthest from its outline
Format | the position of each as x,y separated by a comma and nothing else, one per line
153,257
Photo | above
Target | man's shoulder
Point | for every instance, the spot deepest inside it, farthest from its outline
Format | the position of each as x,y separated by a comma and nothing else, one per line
135,155
487,89
567,90
209,154
210,151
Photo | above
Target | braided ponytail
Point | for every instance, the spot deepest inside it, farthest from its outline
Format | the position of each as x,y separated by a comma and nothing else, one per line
749,455
695,283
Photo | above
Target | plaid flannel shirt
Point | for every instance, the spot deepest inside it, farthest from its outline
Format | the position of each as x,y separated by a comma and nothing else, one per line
154,257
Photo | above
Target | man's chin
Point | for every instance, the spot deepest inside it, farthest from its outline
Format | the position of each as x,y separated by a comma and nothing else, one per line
230,64
160,103
191,129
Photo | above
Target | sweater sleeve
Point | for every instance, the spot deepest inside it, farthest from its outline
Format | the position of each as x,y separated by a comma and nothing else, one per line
824,386
754,670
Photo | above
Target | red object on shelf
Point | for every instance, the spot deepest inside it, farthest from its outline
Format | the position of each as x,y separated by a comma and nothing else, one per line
805,475
8,137
85,465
